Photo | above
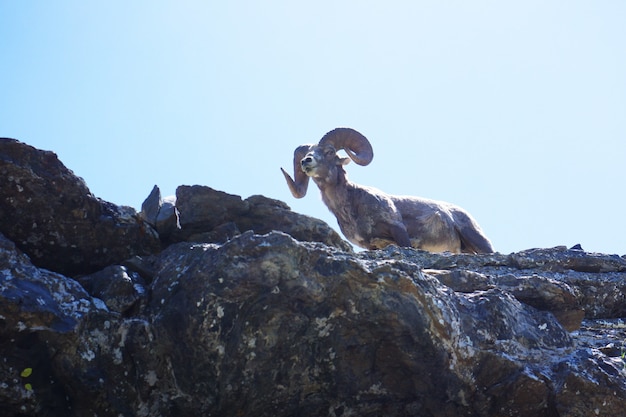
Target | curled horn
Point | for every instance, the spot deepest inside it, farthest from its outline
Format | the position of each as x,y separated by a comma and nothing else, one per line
355,144
299,186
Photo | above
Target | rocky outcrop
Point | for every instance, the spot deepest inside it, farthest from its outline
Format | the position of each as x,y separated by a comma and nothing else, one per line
269,326
201,214
161,213
50,214
261,323
208,215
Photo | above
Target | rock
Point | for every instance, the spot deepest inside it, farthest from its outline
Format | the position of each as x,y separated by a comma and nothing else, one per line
363,337
208,215
50,214
266,325
267,214
40,313
160,213
202,208
34,298
540,292
561,258
596,282
121,290
256,310
592,374
151,206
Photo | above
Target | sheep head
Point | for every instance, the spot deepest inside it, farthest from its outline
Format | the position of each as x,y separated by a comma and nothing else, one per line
321,161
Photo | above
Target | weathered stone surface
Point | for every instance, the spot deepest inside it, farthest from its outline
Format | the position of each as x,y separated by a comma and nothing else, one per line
269,326
160,213
267,214
203,208
122,290
601,294
208,215
259,323
50,214
537,291
40,313
568,259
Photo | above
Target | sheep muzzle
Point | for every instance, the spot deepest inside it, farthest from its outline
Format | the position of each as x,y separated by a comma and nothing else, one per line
308,164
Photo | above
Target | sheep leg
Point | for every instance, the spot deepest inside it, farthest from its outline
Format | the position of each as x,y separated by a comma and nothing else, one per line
400,235
472,237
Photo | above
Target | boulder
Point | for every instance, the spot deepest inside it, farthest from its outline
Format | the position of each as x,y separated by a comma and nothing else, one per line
52,216
243,307
41,313
267,325
208,215
121,289
160,213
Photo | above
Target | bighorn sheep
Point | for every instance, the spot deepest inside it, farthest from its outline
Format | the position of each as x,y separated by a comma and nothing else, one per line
372,219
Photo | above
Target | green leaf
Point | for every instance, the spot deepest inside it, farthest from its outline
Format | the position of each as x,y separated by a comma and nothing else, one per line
28,387
26,372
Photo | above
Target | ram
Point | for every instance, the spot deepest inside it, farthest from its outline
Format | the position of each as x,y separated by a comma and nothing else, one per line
372,219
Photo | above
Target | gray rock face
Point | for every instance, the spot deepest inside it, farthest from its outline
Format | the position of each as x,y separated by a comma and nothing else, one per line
269,326
50,214
122,290
160,213
202,214
260,323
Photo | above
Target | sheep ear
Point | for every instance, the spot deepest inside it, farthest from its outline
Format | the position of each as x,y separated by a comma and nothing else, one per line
344,161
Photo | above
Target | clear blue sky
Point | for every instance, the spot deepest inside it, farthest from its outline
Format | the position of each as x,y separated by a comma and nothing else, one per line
515,111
